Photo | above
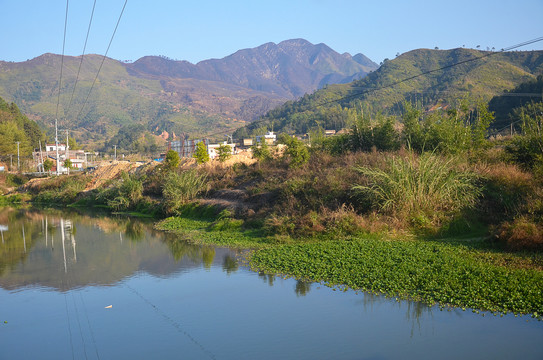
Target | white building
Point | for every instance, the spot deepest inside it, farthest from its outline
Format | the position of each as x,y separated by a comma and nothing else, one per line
53,147
269,138
213,149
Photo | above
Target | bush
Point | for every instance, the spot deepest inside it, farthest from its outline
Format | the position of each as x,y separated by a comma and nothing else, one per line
171,161
181,188
225,152
521,234
261,152
123,194
296,151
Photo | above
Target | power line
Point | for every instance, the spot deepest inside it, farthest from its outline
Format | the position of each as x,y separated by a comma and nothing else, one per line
432,71
103,59
370,90
81,62
62,58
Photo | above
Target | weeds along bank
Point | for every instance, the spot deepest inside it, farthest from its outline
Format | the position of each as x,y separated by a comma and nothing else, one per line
347,213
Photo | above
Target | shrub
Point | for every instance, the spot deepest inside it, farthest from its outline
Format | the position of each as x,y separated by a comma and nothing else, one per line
380,134
521,234
296,151
225,152
172,160
181,188
123,194
261,152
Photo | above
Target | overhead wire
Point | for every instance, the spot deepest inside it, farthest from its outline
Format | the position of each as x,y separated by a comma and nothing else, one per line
81,62
433,70
370,90
103,59
62,57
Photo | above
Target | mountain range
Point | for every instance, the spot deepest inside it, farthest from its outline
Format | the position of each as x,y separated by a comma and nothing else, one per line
173,96
427,78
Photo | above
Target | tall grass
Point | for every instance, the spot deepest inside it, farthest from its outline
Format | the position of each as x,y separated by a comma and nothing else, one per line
180,188
413,186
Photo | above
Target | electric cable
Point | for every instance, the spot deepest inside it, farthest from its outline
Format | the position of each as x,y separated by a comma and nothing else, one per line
370,90
62,57
103,59
80,63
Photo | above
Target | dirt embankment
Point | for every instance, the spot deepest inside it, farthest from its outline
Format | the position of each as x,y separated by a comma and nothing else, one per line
106,171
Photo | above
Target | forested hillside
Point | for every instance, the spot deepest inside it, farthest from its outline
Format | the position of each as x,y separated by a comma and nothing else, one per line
162,94
428,79
16,127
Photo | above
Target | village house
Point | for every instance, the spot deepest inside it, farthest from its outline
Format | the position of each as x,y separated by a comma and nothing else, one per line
270,138
213,149
78,158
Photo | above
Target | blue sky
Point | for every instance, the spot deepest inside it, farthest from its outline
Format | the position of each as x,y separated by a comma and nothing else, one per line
204,29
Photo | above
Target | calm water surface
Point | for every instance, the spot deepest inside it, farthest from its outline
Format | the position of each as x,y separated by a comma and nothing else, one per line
88,287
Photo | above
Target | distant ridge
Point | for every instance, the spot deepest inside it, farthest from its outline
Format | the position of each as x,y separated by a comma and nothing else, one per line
176,96
434,83
288,69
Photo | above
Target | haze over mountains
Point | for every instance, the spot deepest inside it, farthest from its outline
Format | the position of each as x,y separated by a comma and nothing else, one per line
175,96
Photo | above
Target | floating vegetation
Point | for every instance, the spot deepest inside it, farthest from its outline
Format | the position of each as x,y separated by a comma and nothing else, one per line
432,272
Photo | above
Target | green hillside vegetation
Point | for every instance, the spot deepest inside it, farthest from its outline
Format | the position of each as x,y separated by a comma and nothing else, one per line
383,91
117,98
504,105
16,127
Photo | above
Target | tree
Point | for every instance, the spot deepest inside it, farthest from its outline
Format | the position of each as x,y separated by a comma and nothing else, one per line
67,164
201,154
73,144
172,160
261,152
47,165
296,151
225,152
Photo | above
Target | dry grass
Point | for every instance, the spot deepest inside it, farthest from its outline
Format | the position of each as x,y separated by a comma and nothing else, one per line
521,234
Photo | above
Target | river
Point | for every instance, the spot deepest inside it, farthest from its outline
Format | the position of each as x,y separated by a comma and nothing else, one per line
80,286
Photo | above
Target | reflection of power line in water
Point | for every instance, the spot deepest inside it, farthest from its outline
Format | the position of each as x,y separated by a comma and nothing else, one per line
172,322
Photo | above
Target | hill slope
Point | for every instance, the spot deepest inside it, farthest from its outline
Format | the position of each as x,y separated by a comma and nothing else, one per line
174,96
384,91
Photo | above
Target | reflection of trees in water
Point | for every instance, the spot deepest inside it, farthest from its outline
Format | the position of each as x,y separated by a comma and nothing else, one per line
199,254
269,278
17,242
135,230
415,310
302,287
208,255
230,264
182,249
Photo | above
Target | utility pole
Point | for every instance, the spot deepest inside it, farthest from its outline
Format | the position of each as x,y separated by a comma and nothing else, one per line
18,162
56,145
115,152
41,159
67,154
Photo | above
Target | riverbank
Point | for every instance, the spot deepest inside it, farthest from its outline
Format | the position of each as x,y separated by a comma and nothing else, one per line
347,221
474,273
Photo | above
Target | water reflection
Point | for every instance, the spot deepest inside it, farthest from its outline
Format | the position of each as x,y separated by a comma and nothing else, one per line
65,250
302,287
230,264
